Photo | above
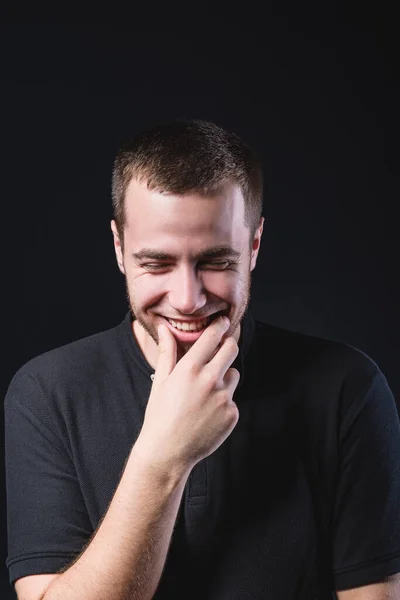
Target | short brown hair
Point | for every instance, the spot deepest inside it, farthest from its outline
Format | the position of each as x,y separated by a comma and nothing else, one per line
188,156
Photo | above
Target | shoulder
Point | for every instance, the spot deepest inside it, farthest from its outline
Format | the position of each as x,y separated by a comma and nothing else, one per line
328,375
58,367
306,351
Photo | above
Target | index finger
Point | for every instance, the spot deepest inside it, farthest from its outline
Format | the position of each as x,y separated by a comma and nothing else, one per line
166,359
204,348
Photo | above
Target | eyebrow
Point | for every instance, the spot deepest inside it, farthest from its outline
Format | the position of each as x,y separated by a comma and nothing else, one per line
215,252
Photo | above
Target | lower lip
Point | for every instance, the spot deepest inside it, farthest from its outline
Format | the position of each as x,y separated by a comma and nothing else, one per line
184,336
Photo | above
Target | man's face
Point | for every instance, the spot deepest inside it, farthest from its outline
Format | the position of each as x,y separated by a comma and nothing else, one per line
184,286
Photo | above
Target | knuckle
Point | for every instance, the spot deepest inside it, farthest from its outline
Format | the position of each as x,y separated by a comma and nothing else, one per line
232,345
216,334
223,324
234,376
210,379
193,368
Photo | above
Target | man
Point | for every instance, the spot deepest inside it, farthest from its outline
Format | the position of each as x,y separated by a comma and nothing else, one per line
181,455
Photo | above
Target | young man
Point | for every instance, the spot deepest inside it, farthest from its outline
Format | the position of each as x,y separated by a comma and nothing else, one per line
181,455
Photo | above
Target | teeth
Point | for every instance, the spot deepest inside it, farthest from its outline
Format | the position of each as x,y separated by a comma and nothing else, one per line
189,326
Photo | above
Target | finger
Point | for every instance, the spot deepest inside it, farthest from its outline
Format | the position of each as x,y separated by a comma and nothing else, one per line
203,349
166,359
225,356
232,378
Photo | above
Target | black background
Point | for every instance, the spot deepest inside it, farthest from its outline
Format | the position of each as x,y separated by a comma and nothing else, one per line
316,94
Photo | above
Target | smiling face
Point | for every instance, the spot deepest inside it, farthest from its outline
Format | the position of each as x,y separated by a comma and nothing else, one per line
188,285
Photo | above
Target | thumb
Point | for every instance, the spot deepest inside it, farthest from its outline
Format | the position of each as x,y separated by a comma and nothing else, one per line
166,360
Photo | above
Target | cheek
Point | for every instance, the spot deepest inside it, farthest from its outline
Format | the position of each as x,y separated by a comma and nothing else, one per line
224,285
143,288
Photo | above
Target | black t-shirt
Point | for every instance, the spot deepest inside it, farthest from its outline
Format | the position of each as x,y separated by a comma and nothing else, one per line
301,499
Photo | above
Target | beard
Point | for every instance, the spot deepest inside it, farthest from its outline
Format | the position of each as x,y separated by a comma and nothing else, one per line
182,347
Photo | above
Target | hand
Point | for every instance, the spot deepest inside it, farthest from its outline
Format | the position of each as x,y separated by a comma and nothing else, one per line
190,411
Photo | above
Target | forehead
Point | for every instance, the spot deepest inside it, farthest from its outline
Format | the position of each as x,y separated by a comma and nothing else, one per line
159,219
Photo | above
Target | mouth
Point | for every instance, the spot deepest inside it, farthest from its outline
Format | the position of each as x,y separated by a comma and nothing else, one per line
190,333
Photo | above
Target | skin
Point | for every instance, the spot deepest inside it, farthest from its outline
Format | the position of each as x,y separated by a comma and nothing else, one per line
185,288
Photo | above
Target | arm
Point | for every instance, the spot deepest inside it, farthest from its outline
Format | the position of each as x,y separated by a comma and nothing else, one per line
366,524
126,556
385,590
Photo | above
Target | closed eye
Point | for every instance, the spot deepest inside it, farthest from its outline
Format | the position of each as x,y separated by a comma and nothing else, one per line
217,264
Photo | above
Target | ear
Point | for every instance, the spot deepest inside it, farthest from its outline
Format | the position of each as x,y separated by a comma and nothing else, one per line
117,247
256,244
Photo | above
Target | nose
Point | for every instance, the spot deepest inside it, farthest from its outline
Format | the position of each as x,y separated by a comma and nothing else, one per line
187,294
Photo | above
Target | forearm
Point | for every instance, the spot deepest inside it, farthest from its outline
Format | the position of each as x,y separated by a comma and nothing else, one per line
126,556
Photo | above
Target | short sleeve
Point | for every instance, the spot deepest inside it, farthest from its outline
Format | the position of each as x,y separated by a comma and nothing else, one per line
366,520
47,522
